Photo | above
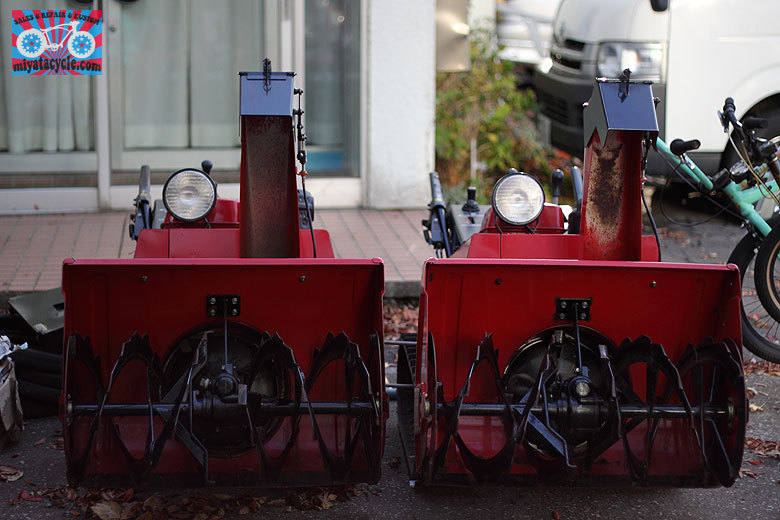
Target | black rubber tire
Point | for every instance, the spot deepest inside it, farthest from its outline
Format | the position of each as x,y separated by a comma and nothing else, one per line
38,392
40,378
35,360
758,327
34,408
766,262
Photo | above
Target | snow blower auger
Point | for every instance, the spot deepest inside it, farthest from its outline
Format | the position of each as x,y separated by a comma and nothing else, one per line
572,355
233,348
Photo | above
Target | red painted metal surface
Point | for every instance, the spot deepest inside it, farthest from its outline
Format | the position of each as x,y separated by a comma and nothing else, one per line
611,224
109,300
517,300
539,246
550,221
269,209
224,341
224,215
513,324
215,243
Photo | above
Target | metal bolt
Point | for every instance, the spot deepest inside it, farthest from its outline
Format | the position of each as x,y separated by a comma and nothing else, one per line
499,281
583,316
562,316
563,305
302,278
212,312
653,283
212,301
234,312
427,408
234,301
584,305
144,279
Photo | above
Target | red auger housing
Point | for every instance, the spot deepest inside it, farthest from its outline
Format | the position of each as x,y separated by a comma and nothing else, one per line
225,351
574,358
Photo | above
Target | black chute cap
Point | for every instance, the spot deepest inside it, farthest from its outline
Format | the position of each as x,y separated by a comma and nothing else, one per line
620,105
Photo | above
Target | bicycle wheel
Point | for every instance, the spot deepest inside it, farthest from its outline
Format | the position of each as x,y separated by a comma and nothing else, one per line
760,331
31,43
768,273
81,44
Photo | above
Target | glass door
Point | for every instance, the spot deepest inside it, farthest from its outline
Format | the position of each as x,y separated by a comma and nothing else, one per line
174,88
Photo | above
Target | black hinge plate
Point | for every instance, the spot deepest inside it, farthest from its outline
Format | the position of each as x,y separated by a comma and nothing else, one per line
223,305
569,308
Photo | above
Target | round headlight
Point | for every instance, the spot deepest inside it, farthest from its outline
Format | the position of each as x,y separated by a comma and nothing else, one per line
518,199
189,195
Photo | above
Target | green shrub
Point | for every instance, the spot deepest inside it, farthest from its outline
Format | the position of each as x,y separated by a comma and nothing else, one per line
485,103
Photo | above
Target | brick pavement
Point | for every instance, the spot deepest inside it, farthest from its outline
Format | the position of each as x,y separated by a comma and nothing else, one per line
32,247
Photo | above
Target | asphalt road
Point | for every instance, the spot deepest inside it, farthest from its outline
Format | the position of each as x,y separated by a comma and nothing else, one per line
750,498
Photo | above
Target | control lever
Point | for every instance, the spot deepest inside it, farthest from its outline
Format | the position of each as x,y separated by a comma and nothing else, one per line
206,166
556,181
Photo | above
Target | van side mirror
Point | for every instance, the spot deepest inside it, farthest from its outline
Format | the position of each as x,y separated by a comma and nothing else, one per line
659,5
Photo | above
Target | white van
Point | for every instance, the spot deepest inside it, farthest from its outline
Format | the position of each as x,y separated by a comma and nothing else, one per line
697,54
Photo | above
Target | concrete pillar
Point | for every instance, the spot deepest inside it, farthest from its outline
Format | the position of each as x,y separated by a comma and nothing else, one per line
401,97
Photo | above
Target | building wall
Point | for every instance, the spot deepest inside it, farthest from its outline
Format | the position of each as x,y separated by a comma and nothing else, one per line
396,127
401,75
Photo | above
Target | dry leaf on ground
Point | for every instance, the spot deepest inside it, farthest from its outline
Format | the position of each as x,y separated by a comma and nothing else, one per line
10,474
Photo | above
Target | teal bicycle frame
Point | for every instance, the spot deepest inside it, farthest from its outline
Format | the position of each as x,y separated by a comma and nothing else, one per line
743,199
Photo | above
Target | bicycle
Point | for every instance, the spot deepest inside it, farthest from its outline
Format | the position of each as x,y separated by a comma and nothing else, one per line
756,253
31,43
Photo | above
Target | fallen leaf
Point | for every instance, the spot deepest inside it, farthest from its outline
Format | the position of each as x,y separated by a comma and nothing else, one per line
747,473
10,474
153,503
24,495
556,515
243,511
755,462
39,442
277,502
107,510
756,408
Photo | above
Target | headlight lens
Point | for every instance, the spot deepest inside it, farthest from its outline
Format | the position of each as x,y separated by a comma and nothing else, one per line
189,195
644,59
518,199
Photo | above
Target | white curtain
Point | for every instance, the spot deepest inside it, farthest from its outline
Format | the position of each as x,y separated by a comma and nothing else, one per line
41,113
180,60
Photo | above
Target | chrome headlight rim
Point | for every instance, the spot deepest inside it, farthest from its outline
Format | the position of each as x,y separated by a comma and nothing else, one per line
203,214
657,72
509,177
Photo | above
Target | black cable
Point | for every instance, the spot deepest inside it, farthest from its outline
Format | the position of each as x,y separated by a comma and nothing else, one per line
652,223
308,213
713,201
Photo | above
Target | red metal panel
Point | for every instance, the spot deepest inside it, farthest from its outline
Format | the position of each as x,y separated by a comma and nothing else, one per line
215,243
517,301
551,221
224,215
301,300
269,209
203,243
520,245
611,224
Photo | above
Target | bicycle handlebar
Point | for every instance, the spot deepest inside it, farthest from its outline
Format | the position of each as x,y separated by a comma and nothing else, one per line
751,122
728,111
679,147
437,198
